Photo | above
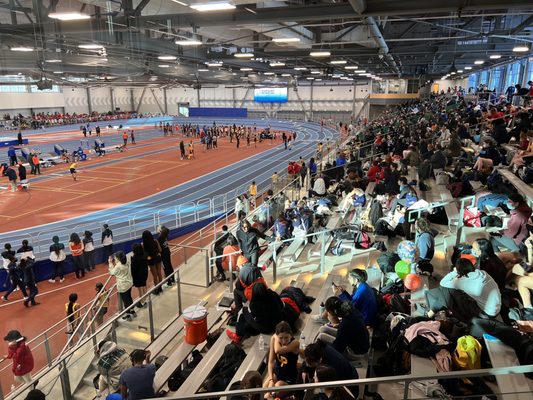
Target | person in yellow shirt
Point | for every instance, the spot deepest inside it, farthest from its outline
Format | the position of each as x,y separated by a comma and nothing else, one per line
253,193
72,169
191,150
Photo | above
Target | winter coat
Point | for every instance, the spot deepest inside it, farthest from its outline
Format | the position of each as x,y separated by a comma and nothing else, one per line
22,358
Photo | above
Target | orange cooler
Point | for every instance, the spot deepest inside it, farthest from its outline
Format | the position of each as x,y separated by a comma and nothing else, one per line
195,322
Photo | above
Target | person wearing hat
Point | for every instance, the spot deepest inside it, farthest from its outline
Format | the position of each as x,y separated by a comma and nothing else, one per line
112,361
21,355
249,275
88,251
107,241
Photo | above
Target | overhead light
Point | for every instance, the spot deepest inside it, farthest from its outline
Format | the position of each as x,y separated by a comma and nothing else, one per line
344,78
22,48
58,72
246,69
460,71
277,64
218,6
164,66
188,42
468,68
203,70
214,64
361,71
69,16
338,62
453,73
351,67
318,79
310,78
286,75
300,68
269,73
320,54
166,58
52,61
286,40
90,46
244,55
316,72
479,62
495,56
520,49
180,2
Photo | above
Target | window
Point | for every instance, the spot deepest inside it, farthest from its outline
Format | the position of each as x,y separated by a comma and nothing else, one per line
55,89
412,86
19,84
513,75
495,79
484,78
472,82
529,75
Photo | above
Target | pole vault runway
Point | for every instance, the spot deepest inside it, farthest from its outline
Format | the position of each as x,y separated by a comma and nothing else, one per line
148,178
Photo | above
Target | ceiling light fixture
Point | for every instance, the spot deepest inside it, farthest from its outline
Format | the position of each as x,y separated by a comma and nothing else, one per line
286,75
286,40
361,72
22,48
495,57
479,62
69,16
310,78
203,70
218,6
90,46
351,67
338,62
244,55
320,54
188,42
300,68
164,66
58,72
460,71
316,72
52,61
269,73
277,64
180,3
214,64
468,68
246,69
166,58
520,48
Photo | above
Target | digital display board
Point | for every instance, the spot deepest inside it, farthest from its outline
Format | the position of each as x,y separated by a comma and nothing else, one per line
271,95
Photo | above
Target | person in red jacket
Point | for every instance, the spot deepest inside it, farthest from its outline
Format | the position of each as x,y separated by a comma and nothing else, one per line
374,171
21,355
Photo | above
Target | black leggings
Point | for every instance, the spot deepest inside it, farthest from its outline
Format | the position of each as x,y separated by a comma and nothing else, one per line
14,284
58,270
127,300
78,266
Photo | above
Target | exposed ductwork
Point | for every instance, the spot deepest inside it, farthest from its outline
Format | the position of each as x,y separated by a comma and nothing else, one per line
360,6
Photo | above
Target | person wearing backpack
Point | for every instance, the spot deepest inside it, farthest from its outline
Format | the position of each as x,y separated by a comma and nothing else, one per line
112,361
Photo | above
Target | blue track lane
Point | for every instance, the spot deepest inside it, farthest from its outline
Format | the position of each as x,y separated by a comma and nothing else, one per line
229,180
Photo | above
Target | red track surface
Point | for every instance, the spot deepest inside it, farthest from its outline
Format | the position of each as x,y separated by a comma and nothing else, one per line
58,198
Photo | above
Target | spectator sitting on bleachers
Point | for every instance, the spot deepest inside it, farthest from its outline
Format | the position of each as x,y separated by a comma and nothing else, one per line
282,228
516,231
319,187
250,380
363,297
488,157
346,330
249,276
264,313
282,358
229,253
325,373
425,241
322,353
112,360
489,262
467,292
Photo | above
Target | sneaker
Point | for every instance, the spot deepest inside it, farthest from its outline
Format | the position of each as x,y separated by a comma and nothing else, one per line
233,336
52,280
61,280
133,314
126,317
233,320
263,267
220,278
319,319
4,298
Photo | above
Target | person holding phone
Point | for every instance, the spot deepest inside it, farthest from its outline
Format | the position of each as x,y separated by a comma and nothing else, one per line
137,382
120,268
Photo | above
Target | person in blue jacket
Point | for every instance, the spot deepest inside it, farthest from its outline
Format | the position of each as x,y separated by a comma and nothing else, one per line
425,241
11,153
363,297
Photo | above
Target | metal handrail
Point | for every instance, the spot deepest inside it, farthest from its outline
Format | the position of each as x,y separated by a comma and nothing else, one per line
60,362
405,379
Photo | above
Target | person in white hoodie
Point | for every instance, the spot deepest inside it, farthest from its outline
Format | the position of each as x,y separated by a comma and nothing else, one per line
119,267
467,292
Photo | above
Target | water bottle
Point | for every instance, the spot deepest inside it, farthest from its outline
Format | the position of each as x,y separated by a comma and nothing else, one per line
261,343
302,341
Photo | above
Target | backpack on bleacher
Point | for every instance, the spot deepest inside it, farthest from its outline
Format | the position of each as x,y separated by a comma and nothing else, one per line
526,174
225,368
467,354
362,240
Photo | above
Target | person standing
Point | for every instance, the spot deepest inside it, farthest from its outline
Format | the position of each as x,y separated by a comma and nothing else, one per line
119,268
26,265
19,138
191,150
132,137
253,193
139,271
97,129
125,138
137,382
37,163
21,356
16,275
57,256
218,249
248,242
6,254
22,173
88,251
72,309
101,305
107,241
12,176
182,150
152,251
72,170
11,153
76,249
166,258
